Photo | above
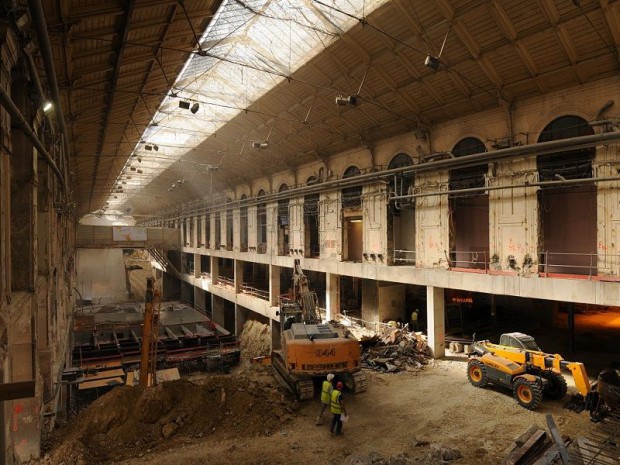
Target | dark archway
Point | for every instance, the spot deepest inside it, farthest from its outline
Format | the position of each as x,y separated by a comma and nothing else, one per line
567,214
243,224
261,224
283,223
352,228
401,214
312,247
469,211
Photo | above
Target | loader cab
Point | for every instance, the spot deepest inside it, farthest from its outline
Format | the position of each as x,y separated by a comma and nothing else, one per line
519,340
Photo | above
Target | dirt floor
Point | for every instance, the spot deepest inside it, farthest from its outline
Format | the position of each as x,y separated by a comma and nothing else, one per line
245,418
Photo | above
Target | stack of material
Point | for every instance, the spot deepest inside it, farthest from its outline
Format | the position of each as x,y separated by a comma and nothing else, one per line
536,447
393,350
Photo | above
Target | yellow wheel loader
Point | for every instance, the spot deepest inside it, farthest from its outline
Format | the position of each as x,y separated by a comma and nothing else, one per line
518,364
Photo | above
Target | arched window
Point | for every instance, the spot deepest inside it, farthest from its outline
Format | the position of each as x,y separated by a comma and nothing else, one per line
400,183
464,178
351,196
568,164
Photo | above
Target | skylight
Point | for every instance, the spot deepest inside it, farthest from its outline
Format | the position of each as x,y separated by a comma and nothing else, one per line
248,48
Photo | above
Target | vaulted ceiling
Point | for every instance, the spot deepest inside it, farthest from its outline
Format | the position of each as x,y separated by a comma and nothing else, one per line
116,62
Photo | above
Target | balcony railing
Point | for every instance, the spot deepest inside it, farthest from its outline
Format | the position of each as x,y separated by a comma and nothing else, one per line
247,288
225,281
403,257
584,264
477,260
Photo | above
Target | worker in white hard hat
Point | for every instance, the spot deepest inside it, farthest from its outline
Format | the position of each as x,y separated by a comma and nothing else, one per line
326,394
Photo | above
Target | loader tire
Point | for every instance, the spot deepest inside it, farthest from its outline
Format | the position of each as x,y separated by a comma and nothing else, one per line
556,388
477,373
527,394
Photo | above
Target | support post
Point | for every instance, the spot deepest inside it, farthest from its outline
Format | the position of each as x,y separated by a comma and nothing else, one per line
435,316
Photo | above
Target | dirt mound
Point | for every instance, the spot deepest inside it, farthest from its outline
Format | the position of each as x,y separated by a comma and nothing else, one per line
130,420
255,340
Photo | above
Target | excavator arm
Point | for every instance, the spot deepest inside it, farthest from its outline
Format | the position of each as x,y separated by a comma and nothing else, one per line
304,296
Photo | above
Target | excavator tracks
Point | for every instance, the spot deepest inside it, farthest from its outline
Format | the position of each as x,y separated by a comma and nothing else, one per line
303,388
360,382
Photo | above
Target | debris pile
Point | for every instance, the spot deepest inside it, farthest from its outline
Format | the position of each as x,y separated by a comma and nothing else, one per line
128,420
255,340
393,350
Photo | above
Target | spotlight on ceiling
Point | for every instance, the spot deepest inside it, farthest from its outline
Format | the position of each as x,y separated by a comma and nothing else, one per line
344,100
47,106
195,107
132,168
148,147
139,159
184,104
140,171
431,62
260,145
155,147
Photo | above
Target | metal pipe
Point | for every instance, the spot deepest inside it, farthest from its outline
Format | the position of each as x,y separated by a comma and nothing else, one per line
19,120
543,148
511,186
38,17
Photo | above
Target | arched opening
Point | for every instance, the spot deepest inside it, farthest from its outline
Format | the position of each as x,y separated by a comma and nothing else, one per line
243,225
261,223
229,227
283,223
218,229
353,227
567,232
401,214
312,248
469,211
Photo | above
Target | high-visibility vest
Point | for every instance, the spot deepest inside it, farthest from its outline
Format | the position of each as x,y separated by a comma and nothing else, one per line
335,406
326,392
414,316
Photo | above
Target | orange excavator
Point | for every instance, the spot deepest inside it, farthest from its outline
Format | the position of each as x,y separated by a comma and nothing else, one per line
313,349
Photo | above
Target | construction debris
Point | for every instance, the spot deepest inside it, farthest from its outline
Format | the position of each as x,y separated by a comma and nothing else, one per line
536,447
393,349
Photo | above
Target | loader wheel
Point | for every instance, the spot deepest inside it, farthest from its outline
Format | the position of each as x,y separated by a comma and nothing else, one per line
477,373
556,388
526,393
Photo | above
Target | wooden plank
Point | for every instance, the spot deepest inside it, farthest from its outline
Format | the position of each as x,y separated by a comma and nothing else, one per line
109,382
557,437
103,375
549,456
19,390
516,457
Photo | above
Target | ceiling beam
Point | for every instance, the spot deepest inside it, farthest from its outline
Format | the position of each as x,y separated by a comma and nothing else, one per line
108,112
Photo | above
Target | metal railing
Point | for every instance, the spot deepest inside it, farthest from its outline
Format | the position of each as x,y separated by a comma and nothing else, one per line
283,249
403,257
261,248
585,264
246,288
476,260
225,281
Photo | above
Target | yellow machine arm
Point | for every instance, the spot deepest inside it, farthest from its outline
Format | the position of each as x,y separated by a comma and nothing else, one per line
543,361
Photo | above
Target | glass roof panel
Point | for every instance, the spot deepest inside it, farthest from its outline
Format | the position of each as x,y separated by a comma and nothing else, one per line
247,49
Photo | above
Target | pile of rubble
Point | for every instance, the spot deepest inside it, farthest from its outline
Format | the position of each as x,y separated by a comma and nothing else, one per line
393,349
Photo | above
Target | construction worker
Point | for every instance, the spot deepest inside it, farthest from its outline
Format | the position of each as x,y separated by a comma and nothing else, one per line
414,321
337,408
326,395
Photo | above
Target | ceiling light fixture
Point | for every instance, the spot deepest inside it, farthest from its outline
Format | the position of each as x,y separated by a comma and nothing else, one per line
195,108
184,104
47,106
260,145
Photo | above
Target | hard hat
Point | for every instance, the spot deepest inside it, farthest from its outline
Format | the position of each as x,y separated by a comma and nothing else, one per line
330,377
339,385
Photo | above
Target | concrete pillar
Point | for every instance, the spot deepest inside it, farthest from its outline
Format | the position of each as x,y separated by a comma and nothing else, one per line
370,300
203,231
238,275
332,295
241,316
435,316
215,269
199,299
218,309
197,265
274,285
195,232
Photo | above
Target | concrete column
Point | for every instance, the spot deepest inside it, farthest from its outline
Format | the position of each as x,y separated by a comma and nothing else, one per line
241,316
435,316
274,285
188,236
215,270
183,236
197,265
195,231
218,309
203,231
332,295
199,299
238,275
